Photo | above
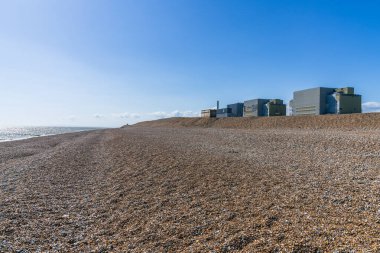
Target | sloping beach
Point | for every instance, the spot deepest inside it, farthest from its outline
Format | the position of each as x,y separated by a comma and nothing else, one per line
175,185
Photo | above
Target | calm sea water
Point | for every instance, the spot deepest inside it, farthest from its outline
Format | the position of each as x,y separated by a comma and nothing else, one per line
19,133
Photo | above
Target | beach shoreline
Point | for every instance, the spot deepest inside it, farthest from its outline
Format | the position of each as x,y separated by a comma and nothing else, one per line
191,189
23,133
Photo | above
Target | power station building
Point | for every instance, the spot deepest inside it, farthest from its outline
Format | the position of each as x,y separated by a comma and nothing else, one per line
232,110
208,113
264,107
319,101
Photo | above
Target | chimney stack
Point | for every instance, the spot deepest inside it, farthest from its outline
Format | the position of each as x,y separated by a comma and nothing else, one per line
217,104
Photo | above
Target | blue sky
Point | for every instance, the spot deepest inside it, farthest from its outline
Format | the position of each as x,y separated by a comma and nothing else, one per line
107,63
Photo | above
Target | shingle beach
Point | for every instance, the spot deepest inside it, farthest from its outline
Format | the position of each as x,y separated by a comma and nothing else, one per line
287,184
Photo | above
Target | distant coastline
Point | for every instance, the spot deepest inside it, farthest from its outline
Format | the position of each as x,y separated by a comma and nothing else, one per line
21,133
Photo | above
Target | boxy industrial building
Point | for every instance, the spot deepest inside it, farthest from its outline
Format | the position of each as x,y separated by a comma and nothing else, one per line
208,113
318,101
232,110
264,107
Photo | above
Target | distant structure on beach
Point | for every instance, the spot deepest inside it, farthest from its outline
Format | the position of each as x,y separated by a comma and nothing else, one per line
208,113
232,110
264,107
319,101
315,101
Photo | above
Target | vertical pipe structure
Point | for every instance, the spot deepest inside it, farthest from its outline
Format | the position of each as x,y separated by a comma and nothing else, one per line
217,104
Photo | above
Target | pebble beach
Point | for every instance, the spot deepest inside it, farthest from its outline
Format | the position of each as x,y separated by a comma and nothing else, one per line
196,185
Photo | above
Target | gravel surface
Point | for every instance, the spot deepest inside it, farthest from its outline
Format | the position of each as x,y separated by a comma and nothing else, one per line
362,121
165,189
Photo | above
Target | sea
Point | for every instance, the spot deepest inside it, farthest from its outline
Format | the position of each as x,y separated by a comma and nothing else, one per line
20,133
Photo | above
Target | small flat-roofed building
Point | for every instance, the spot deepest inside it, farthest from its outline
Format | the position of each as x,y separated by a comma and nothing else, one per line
208,113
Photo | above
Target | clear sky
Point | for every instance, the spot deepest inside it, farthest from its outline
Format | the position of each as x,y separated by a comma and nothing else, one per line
108,62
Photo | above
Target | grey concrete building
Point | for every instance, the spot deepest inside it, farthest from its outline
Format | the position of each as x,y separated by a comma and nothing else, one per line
321,100
264,107
232,110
